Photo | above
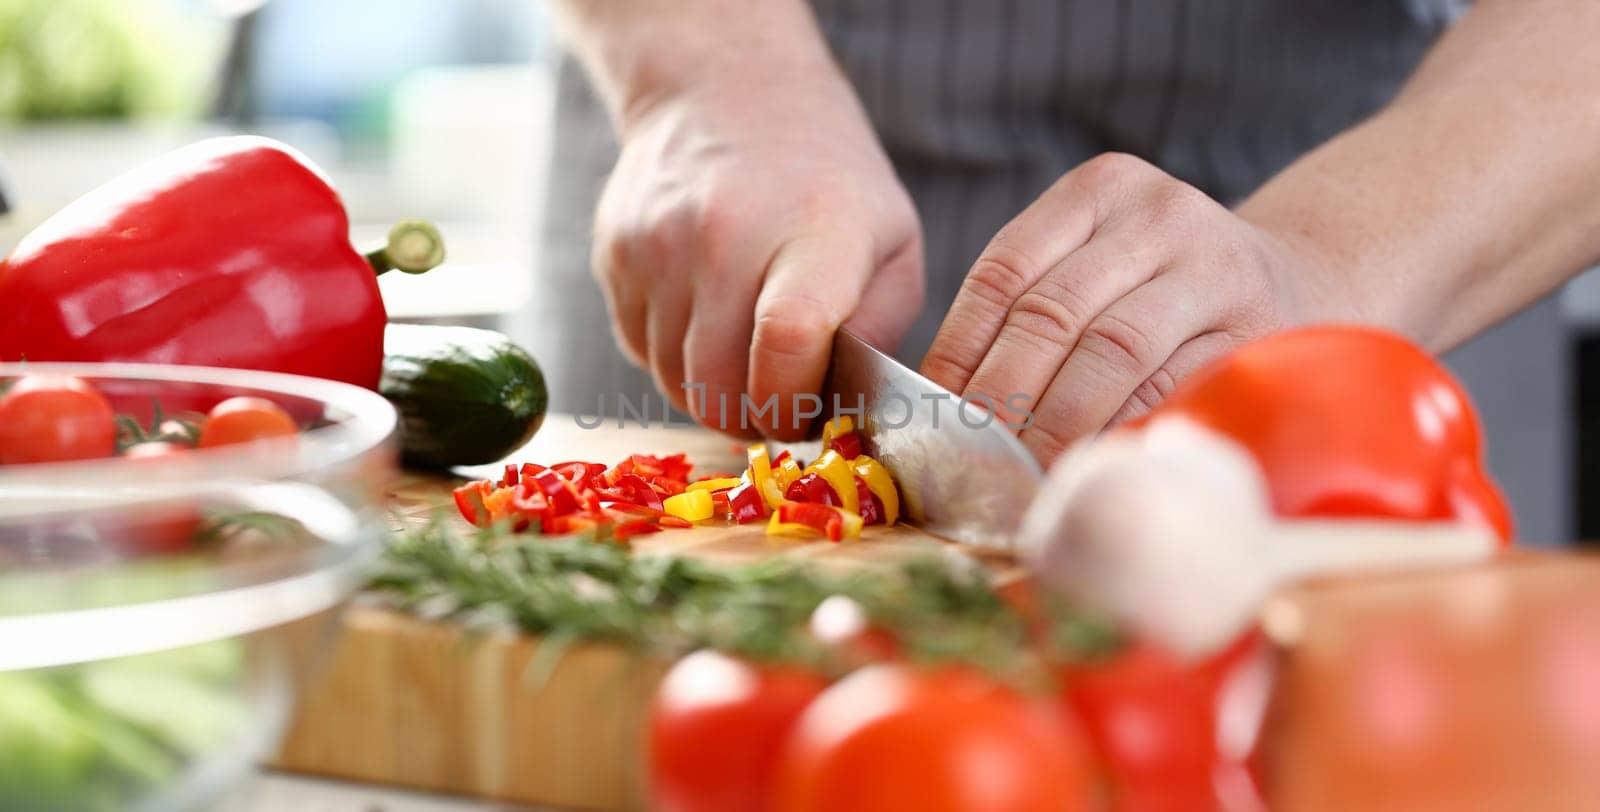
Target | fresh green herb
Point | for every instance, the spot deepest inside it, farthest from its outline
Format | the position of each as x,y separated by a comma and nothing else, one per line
938,608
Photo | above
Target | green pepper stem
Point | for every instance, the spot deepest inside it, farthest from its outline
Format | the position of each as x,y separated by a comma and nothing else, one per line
413,246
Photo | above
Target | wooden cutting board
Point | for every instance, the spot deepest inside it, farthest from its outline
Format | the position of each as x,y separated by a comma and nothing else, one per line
413,703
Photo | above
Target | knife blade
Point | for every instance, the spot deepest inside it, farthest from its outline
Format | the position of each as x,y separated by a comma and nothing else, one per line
963,475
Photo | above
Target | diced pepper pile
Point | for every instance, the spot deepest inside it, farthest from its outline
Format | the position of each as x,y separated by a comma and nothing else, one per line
834,496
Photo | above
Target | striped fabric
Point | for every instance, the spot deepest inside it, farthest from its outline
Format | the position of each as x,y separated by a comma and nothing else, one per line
982,103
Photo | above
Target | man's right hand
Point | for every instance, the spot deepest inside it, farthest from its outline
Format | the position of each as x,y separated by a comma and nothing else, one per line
750,214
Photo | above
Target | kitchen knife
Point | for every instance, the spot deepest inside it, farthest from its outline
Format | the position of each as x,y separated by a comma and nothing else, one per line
963,475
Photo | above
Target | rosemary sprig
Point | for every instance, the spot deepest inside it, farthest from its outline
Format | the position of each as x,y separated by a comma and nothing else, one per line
574,589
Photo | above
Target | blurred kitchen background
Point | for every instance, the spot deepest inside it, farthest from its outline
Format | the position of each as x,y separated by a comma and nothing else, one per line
443,109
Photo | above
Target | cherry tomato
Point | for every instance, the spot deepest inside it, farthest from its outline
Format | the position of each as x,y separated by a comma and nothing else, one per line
52,418
1349,422
716,728
1152,721
152,528
842,625
245,419
895,737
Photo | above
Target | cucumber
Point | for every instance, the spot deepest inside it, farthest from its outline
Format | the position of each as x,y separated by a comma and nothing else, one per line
465,396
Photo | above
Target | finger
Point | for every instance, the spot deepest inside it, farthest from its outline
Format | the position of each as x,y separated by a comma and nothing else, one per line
665,325
1060,222
1189,358
625,303
892,300
1044,324
715,350
811,286
629,313
1120,349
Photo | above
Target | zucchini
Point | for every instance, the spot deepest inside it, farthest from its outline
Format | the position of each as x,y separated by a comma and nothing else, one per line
465,396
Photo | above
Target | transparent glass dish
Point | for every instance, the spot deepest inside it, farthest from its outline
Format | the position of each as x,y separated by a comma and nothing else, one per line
158,615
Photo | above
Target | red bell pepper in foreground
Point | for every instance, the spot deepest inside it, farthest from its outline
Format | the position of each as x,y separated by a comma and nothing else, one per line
229,252
1349,422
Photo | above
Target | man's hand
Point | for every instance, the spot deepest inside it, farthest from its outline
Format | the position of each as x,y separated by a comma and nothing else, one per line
1118,282
747,218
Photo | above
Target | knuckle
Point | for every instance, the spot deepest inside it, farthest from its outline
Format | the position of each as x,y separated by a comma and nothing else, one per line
1002,275
607,259
1177,205
1111,169
940,365
1124,346
1043,317
1155,389
793,326
659,244
1047,439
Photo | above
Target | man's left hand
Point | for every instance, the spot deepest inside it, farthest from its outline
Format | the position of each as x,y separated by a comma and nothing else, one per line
1118,282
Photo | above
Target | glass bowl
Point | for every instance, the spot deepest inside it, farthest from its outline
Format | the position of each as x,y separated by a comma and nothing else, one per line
157,615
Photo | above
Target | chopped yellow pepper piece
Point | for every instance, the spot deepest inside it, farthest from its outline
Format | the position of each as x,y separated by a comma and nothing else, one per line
761,474
714,484
835,427
691,506
836,472
880,483
780,528
787,472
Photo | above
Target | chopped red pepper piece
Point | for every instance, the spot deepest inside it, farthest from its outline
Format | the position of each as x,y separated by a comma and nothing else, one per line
469,500
632,489
821,518
848,445
745,504
558,491
668,486
510,477
674,521
871,507
625,508
812,488
579,473
627,529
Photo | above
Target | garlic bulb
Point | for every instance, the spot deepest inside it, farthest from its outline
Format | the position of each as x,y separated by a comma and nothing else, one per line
1169,529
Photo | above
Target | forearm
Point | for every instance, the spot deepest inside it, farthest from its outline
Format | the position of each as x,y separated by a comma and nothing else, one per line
1475,192
638,52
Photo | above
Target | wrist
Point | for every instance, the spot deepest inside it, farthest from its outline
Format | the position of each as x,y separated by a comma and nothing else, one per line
1319,282
646,55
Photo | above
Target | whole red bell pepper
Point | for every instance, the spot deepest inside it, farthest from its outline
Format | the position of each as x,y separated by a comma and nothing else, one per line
1349,422
229,252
